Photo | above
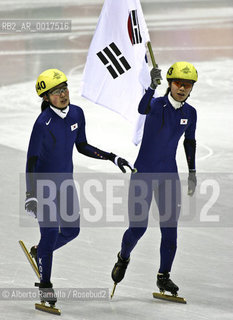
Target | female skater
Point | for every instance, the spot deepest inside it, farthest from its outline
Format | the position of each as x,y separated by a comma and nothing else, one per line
59,127
168,118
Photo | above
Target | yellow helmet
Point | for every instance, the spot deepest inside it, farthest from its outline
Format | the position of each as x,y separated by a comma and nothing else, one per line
182,70
49,79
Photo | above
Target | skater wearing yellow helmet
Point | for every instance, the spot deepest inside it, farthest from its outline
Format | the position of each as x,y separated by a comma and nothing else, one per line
59,127
167,119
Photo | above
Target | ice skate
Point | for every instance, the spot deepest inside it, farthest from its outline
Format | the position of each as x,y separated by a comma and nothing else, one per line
118,271
164,283
47,296
45,290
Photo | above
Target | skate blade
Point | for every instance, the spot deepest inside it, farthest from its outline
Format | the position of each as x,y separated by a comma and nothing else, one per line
42,307
28,256
167,297
113,290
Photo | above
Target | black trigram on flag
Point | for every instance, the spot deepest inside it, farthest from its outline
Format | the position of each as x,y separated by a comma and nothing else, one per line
114,61
133,28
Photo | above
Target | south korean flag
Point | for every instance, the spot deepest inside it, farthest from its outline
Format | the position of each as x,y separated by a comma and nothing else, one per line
116,72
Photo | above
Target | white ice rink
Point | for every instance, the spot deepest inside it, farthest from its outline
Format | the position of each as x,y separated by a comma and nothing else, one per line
199,31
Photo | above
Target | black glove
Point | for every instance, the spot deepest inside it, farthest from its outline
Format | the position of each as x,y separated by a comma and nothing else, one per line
31,205
155,75
192,182
120,162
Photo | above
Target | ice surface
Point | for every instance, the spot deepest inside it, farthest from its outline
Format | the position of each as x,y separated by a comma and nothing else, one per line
198,31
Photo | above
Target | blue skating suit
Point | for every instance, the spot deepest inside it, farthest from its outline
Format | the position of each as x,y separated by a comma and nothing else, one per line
50,157
156,165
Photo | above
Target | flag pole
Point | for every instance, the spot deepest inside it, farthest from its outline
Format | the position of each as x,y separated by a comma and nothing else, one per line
152,57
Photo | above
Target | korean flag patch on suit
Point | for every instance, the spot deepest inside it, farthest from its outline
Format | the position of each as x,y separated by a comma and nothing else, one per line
183,121
74,126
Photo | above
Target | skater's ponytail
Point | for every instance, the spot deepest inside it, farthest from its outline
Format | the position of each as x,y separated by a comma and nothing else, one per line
44,105
167,92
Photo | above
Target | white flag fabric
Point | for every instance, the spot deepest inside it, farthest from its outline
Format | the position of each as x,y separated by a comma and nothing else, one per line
116,73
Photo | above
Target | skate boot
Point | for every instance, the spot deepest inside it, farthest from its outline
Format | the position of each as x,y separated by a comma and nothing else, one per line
119,269
164,283
33,253
47,293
